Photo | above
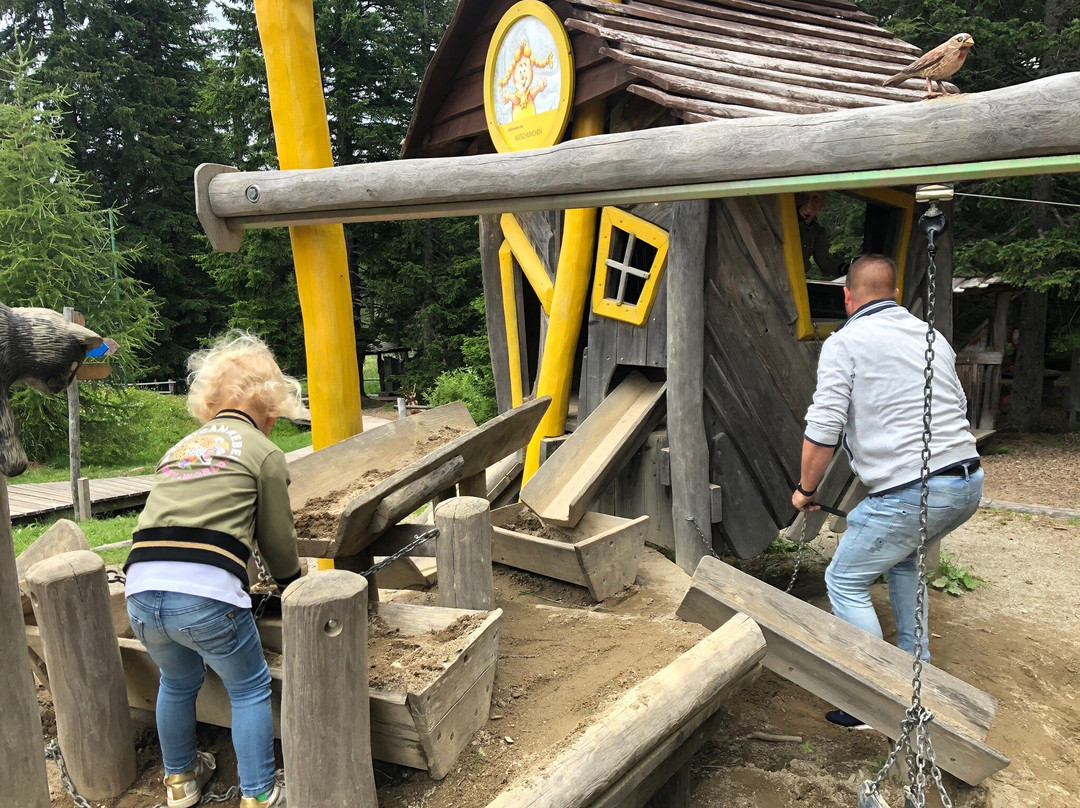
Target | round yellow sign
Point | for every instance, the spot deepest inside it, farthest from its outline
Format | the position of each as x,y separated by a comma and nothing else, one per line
528,79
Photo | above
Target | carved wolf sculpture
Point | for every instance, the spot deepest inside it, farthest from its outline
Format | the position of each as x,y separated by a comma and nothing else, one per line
38,348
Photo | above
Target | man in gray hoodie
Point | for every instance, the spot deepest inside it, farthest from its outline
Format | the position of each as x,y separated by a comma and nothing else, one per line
869,398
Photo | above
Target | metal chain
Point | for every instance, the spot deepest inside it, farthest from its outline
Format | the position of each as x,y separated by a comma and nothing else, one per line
267,580
799,557
920,755
404,551
52,752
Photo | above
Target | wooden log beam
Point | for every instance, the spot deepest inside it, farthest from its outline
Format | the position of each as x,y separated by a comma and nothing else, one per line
850,668
408,498
690,499
23,779
1024,121
325,712
641,720
463,553
70,594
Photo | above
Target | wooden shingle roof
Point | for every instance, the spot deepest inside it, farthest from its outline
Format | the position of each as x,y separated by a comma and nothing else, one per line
699,60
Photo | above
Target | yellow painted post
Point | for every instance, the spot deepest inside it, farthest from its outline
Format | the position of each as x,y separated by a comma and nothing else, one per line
572,282
287,32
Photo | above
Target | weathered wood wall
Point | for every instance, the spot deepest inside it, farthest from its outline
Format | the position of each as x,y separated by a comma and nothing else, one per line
613,344
759,379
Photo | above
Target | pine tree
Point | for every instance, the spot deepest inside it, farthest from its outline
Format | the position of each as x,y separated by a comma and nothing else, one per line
55,246
133,68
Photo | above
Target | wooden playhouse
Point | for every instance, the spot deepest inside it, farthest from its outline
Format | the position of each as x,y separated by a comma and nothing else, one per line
735,328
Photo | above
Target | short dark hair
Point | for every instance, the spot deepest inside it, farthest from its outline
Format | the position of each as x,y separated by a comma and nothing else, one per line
872,272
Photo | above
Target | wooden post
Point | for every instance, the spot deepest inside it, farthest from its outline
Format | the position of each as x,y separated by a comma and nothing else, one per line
463,553
648,714
74,445
325,714
70,595
1073,403
690,499
83,505
402,412
23,780
475,486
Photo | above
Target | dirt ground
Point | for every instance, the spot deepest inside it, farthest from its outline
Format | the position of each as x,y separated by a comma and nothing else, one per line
563,659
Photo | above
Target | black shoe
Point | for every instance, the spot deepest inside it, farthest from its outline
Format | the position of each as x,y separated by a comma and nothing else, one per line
842,719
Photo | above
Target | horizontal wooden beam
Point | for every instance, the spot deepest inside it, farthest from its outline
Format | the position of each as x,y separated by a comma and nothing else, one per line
849,668
1026,129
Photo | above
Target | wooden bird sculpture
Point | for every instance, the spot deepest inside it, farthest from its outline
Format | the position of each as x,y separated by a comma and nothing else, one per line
937,65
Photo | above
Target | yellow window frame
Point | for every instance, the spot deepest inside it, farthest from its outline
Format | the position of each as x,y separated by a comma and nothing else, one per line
643,230
805,326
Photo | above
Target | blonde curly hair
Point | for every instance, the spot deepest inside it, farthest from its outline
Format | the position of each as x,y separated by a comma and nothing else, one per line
240,366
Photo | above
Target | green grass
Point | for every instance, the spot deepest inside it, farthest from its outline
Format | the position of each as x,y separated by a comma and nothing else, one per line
161,421
98,531
371,376
147,426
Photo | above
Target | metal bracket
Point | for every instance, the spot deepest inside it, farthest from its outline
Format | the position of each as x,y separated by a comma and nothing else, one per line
942,192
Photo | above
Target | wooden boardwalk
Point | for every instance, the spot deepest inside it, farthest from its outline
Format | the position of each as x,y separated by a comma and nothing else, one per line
32,501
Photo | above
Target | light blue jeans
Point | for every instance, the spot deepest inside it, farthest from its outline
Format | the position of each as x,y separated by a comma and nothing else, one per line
882,537
184,634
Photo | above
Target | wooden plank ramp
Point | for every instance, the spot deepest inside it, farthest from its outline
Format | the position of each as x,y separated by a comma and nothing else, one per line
566,484
384,449
849,668
32,501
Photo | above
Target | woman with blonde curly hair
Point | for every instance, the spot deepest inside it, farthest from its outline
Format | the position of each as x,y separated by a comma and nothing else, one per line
219,495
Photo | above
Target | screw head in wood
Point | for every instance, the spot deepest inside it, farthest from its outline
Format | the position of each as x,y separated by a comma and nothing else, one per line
252,193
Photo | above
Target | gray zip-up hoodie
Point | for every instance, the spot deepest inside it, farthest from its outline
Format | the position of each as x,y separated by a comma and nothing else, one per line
870,389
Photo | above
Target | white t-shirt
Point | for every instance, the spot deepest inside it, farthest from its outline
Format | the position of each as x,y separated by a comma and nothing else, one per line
187,578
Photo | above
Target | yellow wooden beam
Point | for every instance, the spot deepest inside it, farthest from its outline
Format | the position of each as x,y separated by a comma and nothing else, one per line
572,282
287,33
528,260
513,340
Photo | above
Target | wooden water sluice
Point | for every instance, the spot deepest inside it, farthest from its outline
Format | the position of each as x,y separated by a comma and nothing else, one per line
409,485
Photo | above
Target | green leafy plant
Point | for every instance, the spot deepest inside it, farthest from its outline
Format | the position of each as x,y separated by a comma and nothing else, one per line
951,578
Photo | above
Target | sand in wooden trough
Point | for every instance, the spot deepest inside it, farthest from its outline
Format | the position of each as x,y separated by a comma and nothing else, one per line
528,522
407,663
319,516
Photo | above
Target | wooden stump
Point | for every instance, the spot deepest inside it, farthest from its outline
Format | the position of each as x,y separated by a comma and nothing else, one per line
23,780
70,595
463,554
325,715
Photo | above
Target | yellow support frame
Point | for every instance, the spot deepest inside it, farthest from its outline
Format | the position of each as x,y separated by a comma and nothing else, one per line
805,327
513,340
651,234
568,301
302,133
528,260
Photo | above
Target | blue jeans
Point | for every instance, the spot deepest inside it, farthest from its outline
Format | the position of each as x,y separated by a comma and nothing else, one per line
882,537
184,634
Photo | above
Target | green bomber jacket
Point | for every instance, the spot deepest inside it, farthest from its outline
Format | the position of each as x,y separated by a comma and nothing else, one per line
217,495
